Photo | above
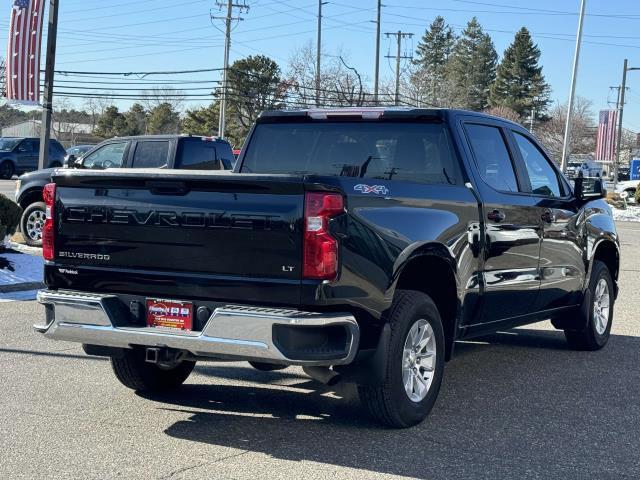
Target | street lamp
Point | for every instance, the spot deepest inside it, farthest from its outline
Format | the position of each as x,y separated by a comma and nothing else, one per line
623,89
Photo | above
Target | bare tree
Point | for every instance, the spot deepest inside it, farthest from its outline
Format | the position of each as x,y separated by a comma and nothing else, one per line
340,84
159,95
96,108
583,138
504,112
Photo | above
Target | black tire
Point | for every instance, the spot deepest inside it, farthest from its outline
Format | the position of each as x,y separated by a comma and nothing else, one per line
588,337
7,170
267,367
33,239
136,374
389,403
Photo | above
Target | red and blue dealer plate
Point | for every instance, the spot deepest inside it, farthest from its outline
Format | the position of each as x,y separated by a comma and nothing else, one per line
169,314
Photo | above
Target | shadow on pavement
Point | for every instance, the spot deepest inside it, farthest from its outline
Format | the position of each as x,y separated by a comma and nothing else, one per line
517,403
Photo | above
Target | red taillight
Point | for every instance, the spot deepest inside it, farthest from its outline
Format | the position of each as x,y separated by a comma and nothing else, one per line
48,237
320,249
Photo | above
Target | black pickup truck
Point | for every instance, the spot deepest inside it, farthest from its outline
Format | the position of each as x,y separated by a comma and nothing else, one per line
359,244
149,151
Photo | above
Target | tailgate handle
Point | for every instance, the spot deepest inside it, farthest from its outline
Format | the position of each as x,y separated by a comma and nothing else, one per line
167,188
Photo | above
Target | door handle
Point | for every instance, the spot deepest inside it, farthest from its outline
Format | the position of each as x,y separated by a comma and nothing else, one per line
496,216
548,216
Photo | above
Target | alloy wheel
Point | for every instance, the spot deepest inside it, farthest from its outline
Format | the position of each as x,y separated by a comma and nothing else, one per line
419,360
601,306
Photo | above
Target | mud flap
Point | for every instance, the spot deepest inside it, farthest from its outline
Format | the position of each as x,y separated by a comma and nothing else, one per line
370,366
575,320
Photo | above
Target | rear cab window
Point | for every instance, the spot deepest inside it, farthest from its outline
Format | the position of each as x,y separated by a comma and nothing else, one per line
419,152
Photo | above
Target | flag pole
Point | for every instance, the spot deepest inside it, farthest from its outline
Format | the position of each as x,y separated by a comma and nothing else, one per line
566,146
47,104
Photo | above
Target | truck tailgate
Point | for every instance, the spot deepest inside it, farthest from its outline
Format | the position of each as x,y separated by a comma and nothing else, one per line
189,224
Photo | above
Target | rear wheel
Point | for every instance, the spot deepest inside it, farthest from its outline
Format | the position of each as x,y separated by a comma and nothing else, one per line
136,374
415,365
599,313
32,222
6,170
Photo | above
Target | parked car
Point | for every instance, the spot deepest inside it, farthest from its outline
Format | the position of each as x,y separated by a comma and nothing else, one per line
166,151
20,155
73,153
362,254
586,168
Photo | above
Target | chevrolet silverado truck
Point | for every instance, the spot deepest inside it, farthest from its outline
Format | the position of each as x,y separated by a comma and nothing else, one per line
360,244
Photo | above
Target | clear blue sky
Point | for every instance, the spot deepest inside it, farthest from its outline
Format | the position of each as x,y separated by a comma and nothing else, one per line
120,35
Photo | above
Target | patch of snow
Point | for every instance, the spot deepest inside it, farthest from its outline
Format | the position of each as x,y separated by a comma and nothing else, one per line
20,247
17,267
21,296
631,214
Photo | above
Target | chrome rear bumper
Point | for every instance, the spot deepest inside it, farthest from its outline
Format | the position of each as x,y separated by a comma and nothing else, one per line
232,331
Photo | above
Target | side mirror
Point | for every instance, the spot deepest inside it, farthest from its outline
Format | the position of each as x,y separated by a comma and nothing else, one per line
71,159
75,162
589,189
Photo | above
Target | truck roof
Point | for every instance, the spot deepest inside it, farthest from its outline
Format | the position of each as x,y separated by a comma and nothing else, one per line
168,137
372,113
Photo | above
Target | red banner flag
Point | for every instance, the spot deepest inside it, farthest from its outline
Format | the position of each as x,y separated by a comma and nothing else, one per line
23,51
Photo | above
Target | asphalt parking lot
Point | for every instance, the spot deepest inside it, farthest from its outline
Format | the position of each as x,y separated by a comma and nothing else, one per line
516,404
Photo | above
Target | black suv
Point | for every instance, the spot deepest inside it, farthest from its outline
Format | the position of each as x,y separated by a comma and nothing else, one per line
163,151
19,155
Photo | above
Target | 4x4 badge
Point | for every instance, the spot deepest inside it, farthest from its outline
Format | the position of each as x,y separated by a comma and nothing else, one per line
377,189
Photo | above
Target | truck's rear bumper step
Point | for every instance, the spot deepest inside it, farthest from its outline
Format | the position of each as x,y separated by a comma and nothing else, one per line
233,331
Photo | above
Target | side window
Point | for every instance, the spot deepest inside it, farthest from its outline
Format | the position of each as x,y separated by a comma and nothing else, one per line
542,176
109,156
492,157
151,154
197,154
28,146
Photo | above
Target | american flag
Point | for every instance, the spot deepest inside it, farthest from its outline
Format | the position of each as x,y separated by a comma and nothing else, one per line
606,143
23,51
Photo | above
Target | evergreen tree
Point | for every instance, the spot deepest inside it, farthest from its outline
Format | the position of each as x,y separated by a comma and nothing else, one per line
111,123
432,55
136,120
519,83
472,68
202,121
163,119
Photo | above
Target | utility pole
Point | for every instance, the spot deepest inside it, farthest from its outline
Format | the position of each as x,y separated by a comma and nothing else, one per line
319,51
376,84
47,104
228,18
623,89
399,37
566,146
